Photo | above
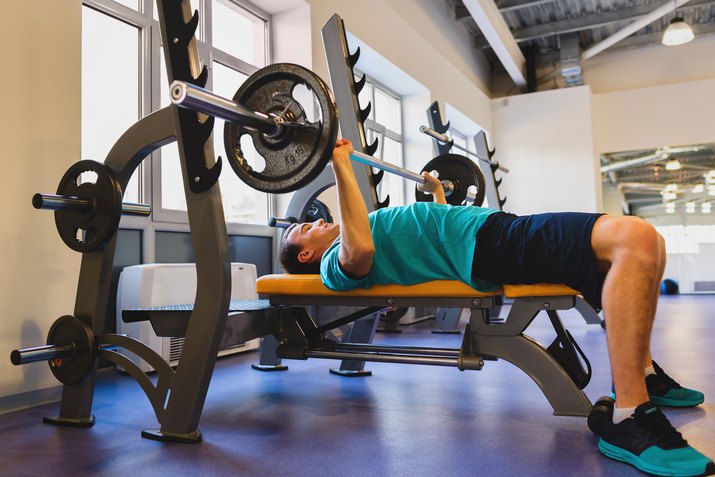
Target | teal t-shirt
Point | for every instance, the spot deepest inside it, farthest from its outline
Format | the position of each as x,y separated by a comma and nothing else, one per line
416,243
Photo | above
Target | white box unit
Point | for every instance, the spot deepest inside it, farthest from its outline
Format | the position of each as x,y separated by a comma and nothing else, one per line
157,284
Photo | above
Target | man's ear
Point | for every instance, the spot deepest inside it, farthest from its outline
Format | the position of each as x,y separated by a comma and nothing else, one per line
305,255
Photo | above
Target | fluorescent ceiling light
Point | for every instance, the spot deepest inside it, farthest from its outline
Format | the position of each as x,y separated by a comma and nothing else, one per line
672,165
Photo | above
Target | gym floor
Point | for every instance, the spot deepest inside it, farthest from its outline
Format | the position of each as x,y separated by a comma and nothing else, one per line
403,420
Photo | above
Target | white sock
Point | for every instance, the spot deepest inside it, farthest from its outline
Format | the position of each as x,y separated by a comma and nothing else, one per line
649,370
621,413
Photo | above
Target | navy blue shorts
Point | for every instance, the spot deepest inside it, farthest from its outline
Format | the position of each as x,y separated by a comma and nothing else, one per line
541,248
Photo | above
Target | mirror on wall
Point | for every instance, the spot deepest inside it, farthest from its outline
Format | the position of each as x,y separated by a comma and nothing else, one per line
673,188
669,183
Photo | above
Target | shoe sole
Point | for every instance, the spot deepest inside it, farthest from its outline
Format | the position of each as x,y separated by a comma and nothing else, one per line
617,453
674,403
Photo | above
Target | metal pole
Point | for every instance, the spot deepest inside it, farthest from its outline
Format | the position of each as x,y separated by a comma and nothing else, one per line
41,353
192,97
384,358
445,139
77,204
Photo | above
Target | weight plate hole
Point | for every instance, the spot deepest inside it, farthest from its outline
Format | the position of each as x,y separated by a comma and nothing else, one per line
308,102
255,161
85,235
86,177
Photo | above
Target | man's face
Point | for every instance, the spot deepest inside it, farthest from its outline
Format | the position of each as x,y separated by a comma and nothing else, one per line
313,238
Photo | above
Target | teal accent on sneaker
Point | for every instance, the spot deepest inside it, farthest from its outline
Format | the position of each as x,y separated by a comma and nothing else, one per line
665,391
682,462
679,397
648,441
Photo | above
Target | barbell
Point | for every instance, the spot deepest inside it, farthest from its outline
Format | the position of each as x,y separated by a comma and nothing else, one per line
294,148
443,138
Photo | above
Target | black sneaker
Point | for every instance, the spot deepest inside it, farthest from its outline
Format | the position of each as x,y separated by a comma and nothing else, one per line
650,443
664,391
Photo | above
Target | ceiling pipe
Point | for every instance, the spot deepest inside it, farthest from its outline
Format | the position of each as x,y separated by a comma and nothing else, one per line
633,162
659,12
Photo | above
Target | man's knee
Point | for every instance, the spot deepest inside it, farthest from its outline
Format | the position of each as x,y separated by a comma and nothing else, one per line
629,238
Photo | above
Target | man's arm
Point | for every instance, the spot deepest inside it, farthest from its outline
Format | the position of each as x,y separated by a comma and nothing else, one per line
356,246
433,186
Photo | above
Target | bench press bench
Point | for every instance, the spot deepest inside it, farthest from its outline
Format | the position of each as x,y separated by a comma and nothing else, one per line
558,369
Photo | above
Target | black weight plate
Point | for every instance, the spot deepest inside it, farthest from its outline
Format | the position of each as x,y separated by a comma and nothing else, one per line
101,219
318,210
462,172
301,152
70,330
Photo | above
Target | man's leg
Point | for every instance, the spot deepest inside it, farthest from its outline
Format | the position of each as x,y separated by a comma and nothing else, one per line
634,255
630,248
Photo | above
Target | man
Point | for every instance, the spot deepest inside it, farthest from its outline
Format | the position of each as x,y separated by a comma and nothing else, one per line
616,263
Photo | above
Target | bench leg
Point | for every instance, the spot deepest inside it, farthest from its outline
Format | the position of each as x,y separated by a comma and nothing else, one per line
362,331
269,361
523,352
505,340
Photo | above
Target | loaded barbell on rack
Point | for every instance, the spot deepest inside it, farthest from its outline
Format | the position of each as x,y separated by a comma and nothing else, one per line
294,148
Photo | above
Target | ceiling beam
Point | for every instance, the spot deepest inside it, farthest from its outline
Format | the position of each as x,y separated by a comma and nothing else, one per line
490,21
510,5
590,22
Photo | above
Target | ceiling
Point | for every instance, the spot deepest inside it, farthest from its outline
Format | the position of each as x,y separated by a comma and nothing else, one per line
520,37
556,32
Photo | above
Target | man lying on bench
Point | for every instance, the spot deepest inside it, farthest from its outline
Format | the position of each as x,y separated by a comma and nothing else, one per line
616,263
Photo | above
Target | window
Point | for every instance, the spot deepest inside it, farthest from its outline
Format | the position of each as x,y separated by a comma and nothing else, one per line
460,141
121,53
385,124
110,63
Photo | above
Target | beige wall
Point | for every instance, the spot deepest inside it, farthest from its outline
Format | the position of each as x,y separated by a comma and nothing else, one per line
41,138
672,114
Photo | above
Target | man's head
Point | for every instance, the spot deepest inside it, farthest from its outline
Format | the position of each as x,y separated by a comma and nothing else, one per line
303,245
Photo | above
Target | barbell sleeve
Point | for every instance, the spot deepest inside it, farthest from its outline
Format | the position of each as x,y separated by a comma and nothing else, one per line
281,223
78,204
189,96
41,353
446,140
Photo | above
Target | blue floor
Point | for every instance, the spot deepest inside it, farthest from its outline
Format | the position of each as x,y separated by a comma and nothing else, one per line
402,421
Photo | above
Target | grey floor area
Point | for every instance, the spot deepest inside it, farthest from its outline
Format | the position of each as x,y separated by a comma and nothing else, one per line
402,421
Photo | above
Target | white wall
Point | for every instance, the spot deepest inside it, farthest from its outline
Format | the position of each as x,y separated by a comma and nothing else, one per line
41,138
546,140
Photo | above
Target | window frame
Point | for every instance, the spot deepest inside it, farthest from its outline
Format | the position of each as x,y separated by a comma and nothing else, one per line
149,100
382,131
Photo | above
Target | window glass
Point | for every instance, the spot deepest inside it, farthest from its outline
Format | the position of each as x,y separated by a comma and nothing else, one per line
238,32
110,86
392,184
172,189
241,203
133,4
387,111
